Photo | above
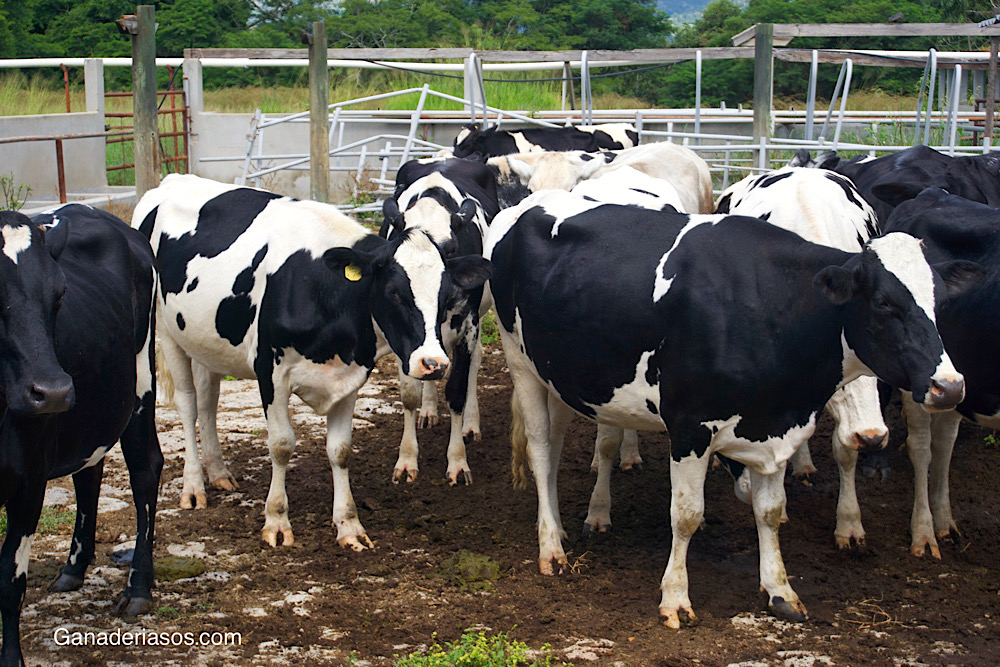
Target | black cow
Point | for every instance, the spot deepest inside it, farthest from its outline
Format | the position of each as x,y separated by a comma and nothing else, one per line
730,333
491,142
453,201
76,375
953,228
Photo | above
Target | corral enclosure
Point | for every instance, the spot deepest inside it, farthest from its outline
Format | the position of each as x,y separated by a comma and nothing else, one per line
315,603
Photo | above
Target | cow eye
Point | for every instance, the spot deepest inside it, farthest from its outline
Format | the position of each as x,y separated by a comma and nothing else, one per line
881,304
393,295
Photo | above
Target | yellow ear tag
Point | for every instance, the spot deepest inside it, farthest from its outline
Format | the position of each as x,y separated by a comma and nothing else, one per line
352,272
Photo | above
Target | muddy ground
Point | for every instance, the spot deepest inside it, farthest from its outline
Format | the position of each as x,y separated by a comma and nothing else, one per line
315,603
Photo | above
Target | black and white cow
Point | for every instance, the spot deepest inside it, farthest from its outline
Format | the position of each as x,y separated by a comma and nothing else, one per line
453,201
730,333
473,140
953,228
256,285
823,207
888,181
521,174
76,375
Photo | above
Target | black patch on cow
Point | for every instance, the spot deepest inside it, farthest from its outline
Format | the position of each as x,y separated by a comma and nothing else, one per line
588,198
193,284
771,179
180,322
651,407
221,221
146,228
766,215
586,157
244,281
643,192
233,318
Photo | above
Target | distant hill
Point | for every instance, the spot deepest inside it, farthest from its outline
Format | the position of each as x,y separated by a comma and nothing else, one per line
686,11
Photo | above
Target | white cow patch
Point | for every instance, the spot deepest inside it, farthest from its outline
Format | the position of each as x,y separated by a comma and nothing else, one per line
95,457
662,284
628,405
22,555
15,241
765,457
900,255
424,268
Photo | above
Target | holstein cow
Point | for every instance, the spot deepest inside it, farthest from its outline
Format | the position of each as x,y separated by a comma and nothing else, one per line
730,333
453,201
256,285
473,140
953,228
521,174
823,207
76,375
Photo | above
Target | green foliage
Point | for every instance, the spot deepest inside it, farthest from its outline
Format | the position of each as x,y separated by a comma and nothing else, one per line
477,649
12,196
991,440
52,520
489,333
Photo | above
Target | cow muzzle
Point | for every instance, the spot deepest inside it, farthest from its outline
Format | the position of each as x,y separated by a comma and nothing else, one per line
49,396
870,441
944,394
432,368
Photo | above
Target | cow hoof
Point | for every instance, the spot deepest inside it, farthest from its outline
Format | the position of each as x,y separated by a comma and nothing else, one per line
130,608
409,473
597,527
190,501
466,477
356,542
227,483
678,618
553,565
628,466
471,436
950,533
276,538
427,421
66,582
850,542
918,548
788,611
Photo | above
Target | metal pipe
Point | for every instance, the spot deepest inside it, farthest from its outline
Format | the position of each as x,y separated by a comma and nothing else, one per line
61,171
953,110
930,95
849,67
811,95
697,92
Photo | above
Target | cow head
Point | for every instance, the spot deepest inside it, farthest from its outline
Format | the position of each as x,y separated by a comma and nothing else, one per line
31,290
470,138
554,170
890,293
413,282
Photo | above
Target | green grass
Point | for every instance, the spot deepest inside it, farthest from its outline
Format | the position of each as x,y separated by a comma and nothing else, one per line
477,649
54,520
489,334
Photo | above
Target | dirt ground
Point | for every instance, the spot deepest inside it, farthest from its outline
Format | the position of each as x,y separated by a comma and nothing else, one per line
315,603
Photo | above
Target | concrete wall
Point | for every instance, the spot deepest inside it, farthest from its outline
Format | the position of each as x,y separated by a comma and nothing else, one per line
34,163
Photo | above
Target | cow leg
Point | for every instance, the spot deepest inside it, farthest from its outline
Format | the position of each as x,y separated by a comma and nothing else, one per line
409,393
802,463
609,442
629,457
687,510
768,506
23,510
185,399
530,431
461,380
207,389
427,416
281,445
944,431
848,511
87,484
918,446
350,532
141,449
470,416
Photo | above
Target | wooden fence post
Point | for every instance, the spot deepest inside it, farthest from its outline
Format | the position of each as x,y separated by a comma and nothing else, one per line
142,28
763,87
991,88
319,115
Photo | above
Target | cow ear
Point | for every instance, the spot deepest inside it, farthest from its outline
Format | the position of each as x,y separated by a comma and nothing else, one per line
802,158
352,264
55,238
392,216
466,212
895,193
469,271
835,283
960,275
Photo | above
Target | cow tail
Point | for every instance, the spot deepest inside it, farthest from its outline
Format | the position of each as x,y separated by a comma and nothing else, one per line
164,378
518,444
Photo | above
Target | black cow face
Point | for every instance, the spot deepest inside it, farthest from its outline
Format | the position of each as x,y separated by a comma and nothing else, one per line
31,290
891,294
